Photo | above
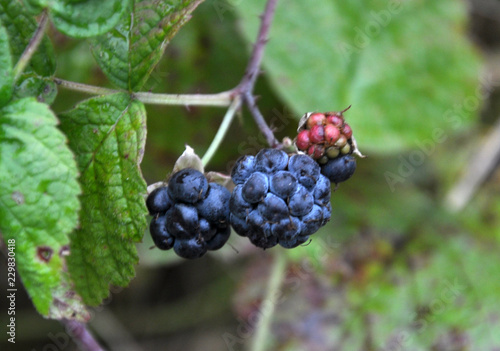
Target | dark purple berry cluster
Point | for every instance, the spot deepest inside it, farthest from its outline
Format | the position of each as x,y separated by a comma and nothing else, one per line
190,215
278,199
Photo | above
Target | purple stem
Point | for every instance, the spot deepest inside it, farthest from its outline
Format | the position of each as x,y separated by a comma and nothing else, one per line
260,121
246,86
81,336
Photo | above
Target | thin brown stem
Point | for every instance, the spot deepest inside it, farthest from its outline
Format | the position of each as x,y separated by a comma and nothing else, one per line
247,84
260,121
253,67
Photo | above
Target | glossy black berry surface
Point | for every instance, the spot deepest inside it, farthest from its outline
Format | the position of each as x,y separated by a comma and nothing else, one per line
278,199
339,169
190,215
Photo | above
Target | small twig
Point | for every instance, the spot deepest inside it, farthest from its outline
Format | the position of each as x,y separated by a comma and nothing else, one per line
278,271
32,46
226,122
219,99
253,67
246,86
259,120
84,88
81,336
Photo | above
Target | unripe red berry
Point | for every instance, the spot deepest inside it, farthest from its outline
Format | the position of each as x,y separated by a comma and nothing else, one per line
317,134
316,119
303,140
337,121
316,151
347,131
332,134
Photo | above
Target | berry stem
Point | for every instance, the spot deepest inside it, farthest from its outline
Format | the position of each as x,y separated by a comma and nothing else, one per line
84,88
81,336
219,99
226,122
259,120
32,46
276,277
232,98
253,67
246,86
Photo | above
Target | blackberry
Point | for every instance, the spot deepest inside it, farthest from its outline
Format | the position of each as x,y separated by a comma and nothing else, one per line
190,215
158,201
326,137
278,199
339,169
188,186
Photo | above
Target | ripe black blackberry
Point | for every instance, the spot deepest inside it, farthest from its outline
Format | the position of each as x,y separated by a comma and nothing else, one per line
190,215
278,199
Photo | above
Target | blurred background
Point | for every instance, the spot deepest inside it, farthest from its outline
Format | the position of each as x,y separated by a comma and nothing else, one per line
410,259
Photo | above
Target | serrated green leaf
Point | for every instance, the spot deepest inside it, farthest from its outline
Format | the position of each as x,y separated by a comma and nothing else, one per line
128,53
39,204
86,18
21,26
108,135
404,84
6,79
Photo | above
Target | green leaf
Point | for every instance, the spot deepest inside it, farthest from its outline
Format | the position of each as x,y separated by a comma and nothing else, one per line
404,84
88,18
20,27
39,204
6,79
128,53
108,135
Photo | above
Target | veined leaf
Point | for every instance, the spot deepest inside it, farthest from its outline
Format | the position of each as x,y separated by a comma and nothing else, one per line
87,18
108,135
39,204
128,53
406,83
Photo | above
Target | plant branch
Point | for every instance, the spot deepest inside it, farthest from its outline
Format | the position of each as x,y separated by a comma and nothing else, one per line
32,46
226,122
220,99
232,98
81,336
246,86
84,88
278,271
259,120
253,67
